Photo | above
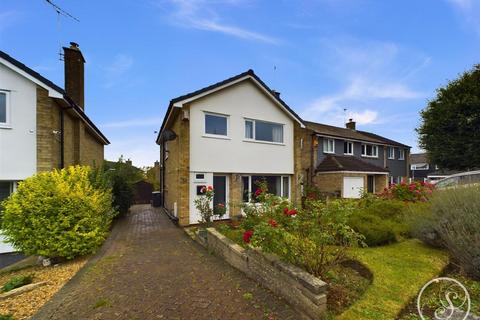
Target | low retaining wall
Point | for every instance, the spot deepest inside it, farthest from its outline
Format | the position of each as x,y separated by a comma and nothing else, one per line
305,292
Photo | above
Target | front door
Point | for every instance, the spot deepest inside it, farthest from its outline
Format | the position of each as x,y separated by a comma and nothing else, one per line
370,184
220,189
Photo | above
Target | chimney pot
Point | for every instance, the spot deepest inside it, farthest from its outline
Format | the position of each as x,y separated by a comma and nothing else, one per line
351,124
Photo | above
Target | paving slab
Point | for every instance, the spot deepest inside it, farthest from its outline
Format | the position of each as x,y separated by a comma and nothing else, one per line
150,269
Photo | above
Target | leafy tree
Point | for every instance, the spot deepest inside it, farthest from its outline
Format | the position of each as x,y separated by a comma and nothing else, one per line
450,131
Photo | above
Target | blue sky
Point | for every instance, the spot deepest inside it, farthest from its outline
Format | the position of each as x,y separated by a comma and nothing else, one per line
382,60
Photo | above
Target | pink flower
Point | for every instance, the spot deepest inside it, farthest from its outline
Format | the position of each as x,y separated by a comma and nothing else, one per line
292,212
258,192
285,211
210,188
247,235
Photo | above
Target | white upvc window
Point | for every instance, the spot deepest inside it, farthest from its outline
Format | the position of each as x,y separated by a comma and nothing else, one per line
420,166
263,131
391,152
4,108
277,184
401,154
216,124
369,150
348,148
328,145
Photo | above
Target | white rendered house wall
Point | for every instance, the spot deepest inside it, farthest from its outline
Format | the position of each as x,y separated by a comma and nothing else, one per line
18,146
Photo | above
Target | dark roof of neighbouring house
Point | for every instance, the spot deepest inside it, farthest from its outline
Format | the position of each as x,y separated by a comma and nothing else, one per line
346,163
345,133
249,72
418,158
52,85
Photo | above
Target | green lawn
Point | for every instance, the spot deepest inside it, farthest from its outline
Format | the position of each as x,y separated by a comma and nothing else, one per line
399,270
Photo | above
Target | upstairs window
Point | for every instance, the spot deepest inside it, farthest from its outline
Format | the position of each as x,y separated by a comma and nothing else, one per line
348,148
401,154
3,107
328,145
369,150
216,124
263,131
391,153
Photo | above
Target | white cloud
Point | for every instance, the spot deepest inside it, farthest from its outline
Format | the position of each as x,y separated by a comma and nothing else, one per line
202,15
372,77
142,150
119,66
470,12
143,122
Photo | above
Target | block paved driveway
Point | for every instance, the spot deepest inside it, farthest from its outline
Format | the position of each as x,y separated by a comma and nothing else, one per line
150,269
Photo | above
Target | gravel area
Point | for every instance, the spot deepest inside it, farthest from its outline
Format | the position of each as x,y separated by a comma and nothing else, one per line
28,303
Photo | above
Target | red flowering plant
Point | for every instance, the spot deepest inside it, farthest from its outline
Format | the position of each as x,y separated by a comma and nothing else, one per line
411,192
315,237
204,204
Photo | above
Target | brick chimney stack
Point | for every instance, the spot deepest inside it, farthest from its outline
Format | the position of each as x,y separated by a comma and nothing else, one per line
74,74
350,124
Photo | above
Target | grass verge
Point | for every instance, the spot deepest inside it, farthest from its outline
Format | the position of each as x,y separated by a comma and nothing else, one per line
399,271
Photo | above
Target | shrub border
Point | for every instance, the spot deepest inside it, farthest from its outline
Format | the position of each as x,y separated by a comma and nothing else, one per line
305,292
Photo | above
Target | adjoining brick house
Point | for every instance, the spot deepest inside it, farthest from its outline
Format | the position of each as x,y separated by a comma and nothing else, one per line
239,131
42,126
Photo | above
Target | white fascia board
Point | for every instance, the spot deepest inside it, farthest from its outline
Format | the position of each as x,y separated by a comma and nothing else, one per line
51,92
179,104
356,172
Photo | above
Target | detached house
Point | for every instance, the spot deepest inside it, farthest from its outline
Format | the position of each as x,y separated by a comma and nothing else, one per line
42,126
237,132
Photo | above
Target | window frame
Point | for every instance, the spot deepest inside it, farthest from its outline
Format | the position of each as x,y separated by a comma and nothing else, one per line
254,131
7,123
364,150
326,142
390,153
347,142
214,135
251,184
401,154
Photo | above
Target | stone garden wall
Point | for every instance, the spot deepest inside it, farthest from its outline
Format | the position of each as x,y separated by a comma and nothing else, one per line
306,293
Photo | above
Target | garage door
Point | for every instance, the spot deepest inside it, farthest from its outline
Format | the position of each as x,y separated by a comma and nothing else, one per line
352,187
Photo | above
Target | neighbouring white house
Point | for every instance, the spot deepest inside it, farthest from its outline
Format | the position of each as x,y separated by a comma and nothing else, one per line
42,126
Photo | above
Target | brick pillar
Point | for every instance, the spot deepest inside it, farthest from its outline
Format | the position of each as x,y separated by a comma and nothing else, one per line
184,170
44,131
235,195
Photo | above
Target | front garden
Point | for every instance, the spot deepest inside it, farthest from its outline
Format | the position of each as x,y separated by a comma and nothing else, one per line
57,218
375,253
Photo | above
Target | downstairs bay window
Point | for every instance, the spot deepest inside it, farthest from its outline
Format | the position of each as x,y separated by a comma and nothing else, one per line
277,185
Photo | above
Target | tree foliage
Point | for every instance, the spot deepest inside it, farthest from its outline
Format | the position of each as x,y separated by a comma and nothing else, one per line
450,129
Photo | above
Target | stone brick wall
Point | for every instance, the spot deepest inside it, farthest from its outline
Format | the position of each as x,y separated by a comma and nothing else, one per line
177,171
45,138
329,182
235,195
305,292
80,146
303,143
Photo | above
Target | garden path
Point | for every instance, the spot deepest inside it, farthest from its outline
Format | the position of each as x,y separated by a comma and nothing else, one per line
150,269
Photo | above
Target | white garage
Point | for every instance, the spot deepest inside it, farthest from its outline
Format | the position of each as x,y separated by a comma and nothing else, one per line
353,187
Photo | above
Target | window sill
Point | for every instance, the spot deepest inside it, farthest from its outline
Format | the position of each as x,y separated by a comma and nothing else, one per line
348,154
264,142
329,152
390,158
213,136
371,157
5,126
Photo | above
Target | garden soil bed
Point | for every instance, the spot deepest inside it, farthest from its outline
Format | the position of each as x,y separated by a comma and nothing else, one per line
25,305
